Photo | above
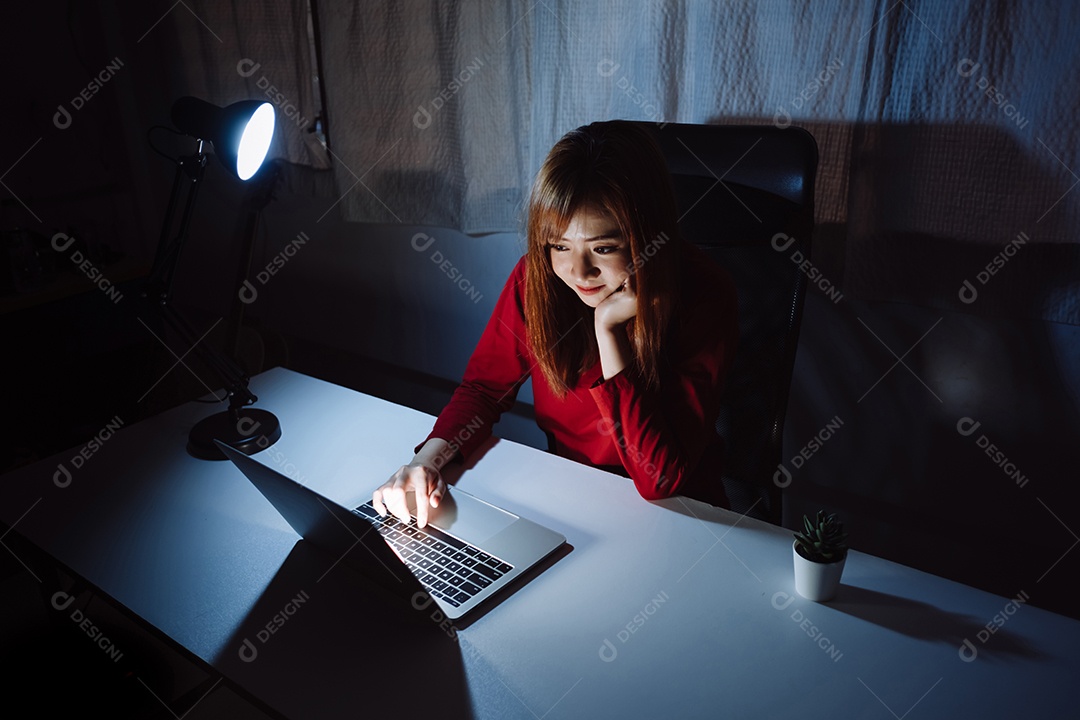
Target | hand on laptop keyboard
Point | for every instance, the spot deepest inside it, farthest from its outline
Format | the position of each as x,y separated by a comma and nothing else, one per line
421,477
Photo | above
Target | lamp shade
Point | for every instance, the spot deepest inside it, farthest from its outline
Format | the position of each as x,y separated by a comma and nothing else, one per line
241,132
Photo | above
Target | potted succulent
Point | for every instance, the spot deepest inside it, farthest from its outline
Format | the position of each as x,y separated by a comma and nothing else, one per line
820,551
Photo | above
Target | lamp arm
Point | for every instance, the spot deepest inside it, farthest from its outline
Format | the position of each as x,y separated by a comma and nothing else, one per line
168,255
235,379
164,247
159,285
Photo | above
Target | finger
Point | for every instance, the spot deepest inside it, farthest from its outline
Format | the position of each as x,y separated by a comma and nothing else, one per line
394,497
421,490
400,507
379,499
437,492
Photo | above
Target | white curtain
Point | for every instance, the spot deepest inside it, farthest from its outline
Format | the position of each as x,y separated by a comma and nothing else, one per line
431,108
443,110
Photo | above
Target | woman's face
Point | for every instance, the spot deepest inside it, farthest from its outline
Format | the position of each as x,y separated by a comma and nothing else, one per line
592,257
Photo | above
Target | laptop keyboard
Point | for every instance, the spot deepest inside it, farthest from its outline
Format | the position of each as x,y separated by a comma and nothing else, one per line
448,568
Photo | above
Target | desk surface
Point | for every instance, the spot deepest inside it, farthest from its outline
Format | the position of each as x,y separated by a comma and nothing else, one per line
667,609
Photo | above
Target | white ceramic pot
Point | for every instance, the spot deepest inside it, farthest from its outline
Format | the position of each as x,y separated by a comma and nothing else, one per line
816,581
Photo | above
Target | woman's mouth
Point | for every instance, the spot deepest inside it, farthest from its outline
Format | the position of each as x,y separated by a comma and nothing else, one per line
590,290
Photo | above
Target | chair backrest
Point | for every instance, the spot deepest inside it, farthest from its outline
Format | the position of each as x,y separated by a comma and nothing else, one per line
746,197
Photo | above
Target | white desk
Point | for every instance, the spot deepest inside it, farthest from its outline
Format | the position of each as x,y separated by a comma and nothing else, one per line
671,609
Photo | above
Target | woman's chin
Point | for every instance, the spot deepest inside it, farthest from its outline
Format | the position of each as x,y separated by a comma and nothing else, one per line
590,300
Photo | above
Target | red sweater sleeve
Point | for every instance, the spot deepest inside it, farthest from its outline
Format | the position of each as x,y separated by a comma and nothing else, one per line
661,436
496,371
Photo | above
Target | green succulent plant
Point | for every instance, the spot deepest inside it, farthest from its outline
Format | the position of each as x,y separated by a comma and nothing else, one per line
823,539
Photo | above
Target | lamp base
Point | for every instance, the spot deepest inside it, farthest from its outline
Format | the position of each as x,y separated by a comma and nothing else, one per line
249,430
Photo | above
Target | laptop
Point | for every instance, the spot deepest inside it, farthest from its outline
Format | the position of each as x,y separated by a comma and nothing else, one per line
468,552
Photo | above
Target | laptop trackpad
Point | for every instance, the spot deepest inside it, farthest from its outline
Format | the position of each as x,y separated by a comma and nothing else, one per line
467,517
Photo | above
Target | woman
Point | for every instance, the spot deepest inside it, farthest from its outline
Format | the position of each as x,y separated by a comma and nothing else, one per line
626,331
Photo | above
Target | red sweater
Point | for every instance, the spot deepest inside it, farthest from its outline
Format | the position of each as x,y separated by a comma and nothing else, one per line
665,441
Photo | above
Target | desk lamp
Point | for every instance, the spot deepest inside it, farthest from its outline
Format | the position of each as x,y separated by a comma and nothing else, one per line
241,135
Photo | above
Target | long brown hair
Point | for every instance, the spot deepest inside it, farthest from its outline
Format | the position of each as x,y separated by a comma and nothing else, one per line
616,167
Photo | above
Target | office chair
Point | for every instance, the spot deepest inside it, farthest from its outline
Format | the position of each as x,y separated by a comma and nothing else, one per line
738,187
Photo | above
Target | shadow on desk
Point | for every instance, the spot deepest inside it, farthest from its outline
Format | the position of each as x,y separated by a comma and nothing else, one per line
320,643
922,621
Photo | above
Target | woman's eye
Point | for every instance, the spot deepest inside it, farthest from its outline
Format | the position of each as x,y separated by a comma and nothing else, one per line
556,247
607,249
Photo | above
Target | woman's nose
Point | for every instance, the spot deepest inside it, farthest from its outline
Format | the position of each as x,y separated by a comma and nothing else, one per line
584,268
